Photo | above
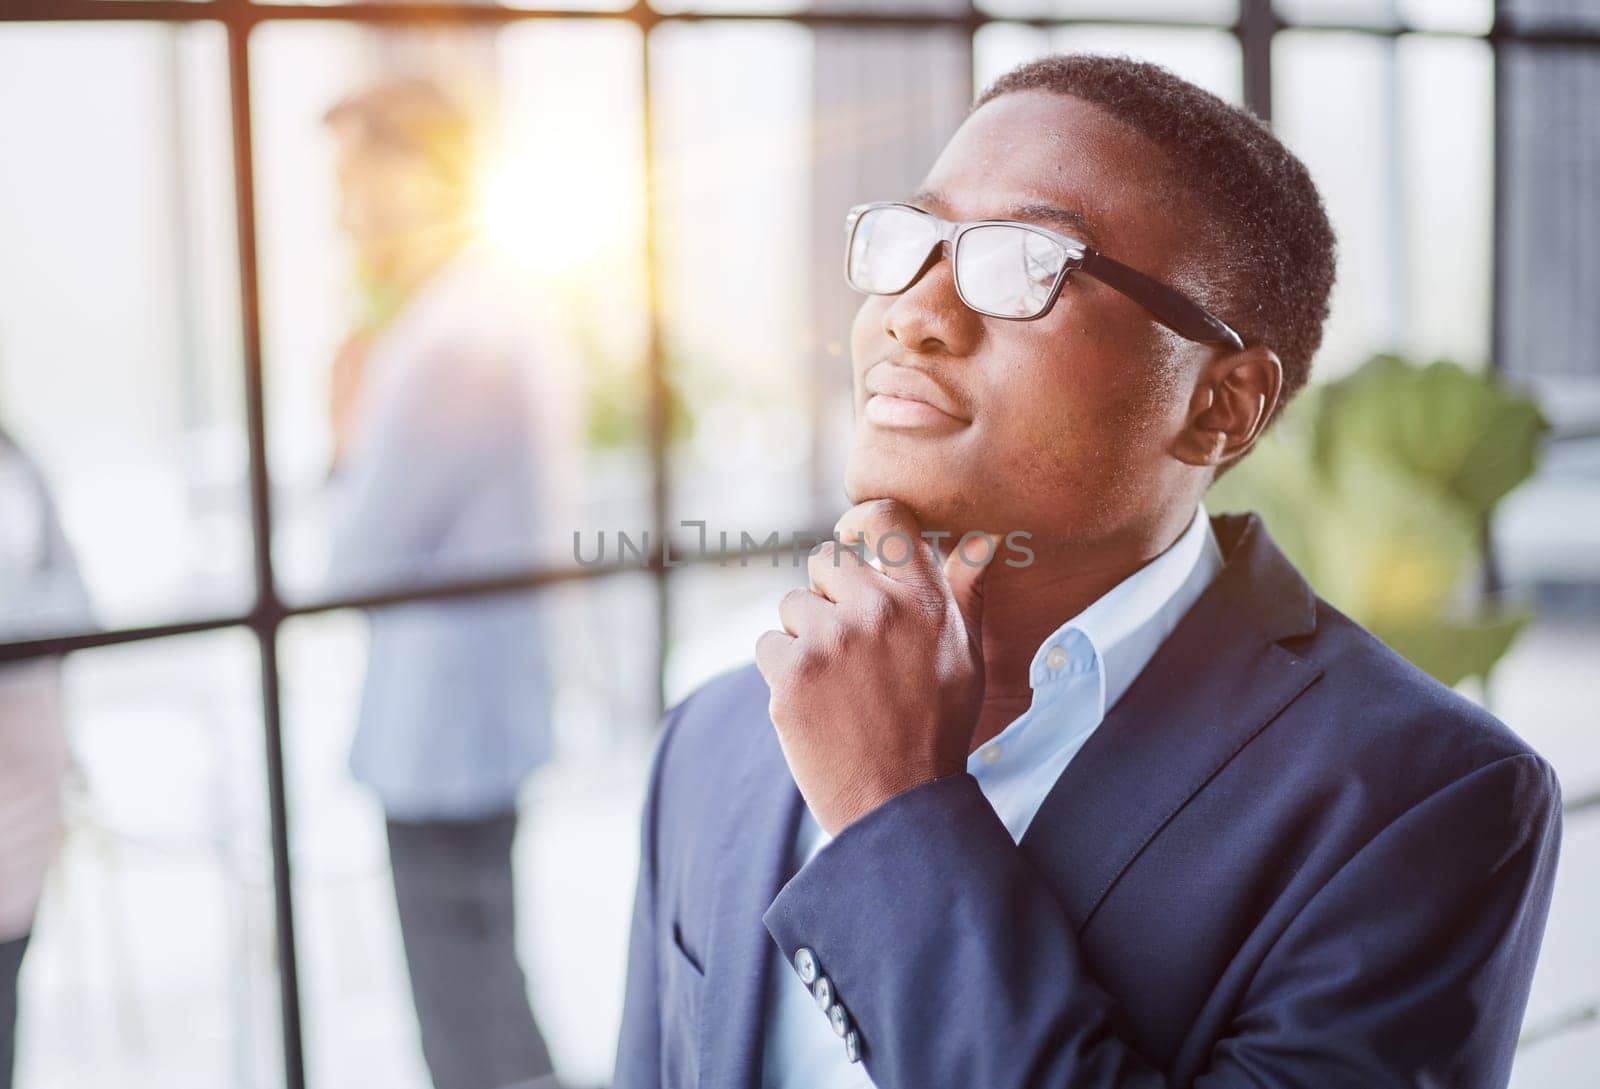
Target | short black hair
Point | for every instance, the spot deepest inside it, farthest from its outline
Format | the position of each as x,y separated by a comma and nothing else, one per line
1275,266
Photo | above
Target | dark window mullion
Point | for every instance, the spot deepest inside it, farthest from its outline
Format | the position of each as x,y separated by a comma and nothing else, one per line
1255,29
659,408
267,615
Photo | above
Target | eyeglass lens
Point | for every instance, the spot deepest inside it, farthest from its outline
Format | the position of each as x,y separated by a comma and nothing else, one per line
1003,270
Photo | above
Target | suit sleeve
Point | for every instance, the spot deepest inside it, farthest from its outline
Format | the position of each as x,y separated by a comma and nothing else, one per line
638,1063
1410,966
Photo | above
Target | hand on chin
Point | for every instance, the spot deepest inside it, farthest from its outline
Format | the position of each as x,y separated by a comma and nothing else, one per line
876,675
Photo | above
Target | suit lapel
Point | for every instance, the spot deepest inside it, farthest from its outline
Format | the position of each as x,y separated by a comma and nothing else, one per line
763,817
1210,688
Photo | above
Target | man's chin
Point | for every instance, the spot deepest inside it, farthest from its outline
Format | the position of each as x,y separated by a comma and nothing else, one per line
937,500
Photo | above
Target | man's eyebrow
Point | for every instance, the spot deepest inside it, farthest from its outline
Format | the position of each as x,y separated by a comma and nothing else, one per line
1068,220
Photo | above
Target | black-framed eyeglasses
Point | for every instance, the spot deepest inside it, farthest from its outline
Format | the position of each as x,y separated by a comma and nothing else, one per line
1004,268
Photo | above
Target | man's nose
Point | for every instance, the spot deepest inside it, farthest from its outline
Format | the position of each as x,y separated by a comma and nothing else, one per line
929,315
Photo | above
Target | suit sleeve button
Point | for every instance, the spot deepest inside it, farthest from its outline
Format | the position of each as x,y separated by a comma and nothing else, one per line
852,1046
822,991
838,1019
805,962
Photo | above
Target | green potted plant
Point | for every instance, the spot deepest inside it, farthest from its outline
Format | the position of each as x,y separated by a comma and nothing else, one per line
1379,486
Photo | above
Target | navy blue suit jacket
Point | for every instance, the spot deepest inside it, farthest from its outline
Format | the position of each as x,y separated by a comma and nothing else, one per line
1286,858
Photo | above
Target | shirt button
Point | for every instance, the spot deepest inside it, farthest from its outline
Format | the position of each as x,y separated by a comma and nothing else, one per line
822,991
852,1046
805,962
990,754
838,1019
1056,658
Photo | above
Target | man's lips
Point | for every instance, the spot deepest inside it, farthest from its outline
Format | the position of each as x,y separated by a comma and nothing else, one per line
907,398
904,414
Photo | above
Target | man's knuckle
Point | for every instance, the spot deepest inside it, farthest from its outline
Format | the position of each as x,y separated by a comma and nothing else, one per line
768,644
810,663
930,604
878,611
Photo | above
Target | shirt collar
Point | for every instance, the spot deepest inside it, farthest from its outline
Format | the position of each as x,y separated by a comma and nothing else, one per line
1118,634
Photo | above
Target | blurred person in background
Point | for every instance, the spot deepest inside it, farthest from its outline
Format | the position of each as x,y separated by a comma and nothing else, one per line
435,478
40,591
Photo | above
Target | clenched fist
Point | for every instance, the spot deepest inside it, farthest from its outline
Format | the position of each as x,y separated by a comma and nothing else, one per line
877,675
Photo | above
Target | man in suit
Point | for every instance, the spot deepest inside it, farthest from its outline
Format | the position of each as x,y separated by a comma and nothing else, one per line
1128,806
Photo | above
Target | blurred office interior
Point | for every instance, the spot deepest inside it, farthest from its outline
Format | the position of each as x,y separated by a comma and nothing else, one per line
669,182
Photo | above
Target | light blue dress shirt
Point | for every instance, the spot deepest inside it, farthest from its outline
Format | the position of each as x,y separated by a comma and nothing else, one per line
1077,675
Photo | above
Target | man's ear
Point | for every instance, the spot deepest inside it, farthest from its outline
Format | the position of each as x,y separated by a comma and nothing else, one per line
1233,399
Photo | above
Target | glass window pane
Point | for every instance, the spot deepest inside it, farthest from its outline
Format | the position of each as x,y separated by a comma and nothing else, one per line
119,337
1545,686
1470,16
1547,533
1551,253
430,716
1403,156
743,596
1563,1058
453,296
1346,142
1560,1039
153,956
733,112
1208,58
999,47
1552,13
1446,144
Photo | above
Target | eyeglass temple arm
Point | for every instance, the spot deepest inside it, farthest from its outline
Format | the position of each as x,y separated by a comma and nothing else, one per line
1177,312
